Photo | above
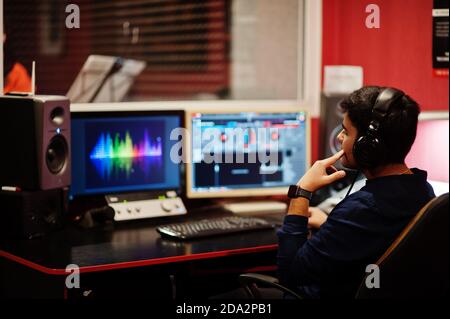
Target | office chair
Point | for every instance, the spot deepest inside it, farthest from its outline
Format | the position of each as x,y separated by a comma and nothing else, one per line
414,266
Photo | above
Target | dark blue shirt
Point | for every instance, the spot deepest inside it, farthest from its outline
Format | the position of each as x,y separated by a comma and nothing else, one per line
332,263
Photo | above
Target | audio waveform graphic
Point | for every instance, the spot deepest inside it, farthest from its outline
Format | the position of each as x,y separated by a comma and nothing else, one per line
125,159
107,147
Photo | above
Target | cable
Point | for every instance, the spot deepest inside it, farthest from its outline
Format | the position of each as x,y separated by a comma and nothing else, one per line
96,216
353,183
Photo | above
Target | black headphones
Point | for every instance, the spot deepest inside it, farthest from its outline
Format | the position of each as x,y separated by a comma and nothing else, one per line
369,150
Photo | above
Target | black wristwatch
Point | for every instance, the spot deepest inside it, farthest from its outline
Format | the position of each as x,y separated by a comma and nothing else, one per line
296,192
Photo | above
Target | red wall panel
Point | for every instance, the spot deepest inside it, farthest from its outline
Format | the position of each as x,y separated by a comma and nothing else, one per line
398,54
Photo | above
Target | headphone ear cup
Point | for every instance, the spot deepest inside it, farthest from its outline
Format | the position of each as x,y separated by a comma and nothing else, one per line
368,152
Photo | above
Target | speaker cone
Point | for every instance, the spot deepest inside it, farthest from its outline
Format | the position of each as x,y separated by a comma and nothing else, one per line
56,154
334,144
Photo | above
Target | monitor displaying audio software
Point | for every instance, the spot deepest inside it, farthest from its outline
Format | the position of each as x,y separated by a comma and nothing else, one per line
246,153
119,152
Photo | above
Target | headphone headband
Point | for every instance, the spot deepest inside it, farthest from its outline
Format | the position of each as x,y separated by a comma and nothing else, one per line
385,99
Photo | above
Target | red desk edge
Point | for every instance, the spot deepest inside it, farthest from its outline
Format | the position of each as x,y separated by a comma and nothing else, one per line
139,263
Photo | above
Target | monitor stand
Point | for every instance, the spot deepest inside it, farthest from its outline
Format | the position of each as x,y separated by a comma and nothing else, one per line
255,208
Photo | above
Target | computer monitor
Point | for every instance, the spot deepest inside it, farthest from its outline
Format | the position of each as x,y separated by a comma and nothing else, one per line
430,150
121,152
237,154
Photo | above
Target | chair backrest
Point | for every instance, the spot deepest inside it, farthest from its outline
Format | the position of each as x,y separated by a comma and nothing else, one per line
416,265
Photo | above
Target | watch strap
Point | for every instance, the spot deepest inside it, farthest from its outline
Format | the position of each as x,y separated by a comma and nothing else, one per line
296,192
304,193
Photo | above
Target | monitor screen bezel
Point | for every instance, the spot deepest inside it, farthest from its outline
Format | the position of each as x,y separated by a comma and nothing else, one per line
245,192
133,113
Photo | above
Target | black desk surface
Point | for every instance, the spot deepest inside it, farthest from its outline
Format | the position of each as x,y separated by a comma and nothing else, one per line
129,245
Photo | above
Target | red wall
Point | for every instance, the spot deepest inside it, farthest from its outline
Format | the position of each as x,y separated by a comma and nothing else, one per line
398,54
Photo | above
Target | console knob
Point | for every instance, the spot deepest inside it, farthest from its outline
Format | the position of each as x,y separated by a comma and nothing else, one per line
167,206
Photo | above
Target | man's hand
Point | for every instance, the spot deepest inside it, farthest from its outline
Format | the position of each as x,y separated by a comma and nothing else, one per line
317,177
317,218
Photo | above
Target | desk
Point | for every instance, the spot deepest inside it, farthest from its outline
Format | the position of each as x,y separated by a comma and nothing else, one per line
132,246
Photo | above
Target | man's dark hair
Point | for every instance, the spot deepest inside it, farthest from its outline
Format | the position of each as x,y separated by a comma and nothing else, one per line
397,130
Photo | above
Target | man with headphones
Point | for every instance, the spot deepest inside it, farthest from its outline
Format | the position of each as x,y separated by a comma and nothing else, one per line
379,128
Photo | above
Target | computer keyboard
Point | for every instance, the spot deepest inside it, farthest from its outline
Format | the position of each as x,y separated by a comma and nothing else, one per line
214,227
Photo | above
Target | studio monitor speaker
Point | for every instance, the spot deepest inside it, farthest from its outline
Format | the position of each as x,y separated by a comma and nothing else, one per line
32,214
331,118
35,142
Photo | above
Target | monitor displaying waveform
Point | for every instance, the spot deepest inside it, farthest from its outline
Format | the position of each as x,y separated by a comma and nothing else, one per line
125,153
107,147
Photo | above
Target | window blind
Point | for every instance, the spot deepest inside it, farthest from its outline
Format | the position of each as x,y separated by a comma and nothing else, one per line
184,42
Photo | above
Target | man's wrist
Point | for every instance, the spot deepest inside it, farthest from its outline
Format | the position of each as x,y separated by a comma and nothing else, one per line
299,206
